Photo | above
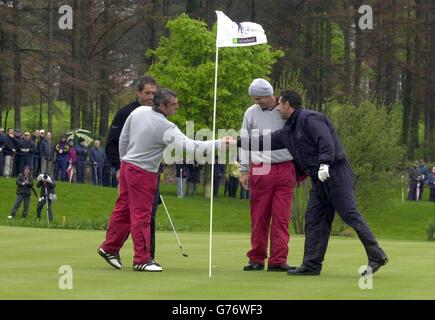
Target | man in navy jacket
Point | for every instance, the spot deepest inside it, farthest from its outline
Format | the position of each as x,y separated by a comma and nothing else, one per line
312,140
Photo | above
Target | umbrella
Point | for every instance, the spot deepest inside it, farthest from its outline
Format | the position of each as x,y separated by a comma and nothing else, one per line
80,133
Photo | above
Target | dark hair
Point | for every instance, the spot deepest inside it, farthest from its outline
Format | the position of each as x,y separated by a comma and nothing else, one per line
163,96
293,98
144,81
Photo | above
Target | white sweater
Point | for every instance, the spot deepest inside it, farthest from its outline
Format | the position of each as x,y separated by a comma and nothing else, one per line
147,133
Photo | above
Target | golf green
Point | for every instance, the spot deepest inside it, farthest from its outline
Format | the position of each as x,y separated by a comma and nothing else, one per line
32,258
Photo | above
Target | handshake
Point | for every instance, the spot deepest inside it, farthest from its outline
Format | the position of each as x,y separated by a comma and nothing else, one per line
229,141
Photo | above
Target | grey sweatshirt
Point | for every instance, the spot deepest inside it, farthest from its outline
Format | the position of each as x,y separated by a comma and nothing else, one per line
256,118
147,133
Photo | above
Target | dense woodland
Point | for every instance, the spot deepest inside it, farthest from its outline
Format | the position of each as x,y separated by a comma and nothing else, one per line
92,65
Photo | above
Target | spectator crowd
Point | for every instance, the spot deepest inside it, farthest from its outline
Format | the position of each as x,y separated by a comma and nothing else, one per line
67,159
421,176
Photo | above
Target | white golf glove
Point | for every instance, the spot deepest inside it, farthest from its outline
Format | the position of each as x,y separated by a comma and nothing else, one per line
324,172
40,177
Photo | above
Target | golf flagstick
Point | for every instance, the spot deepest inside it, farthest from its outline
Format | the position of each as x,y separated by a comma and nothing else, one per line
229,34
213,153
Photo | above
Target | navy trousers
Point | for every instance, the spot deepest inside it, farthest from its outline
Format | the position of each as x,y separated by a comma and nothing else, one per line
336,194
60,165
81,171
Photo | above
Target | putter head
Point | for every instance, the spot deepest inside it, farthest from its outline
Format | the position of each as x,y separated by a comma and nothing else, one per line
185,255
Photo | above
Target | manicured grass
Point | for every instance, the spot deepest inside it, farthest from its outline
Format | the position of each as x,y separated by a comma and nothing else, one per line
88,207
31,259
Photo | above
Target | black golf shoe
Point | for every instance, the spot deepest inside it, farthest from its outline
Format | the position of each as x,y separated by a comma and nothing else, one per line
303,271
253,266
113,260
280,268
381,259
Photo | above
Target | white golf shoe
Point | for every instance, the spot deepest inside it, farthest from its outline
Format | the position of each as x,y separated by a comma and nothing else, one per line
151,266
113,260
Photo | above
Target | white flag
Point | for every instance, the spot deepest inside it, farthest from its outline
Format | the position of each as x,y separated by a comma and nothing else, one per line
231,34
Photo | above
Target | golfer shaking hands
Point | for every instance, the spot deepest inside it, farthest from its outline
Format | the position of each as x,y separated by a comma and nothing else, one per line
146,134
312,140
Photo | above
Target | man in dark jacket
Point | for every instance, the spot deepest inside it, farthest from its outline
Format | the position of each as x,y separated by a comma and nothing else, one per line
24,192
2,146
424,174
61,162
18,155
82,160
146,90
194,178
414,180
36,166
47,186
219,173
312,140
26,150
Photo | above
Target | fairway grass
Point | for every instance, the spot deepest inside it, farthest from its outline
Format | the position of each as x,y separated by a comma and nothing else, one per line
31,258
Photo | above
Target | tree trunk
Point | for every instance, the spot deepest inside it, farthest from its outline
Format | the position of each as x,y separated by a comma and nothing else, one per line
50,81
105,81
429,108
88,76
418,88
17,65
347,59
390,72
253,11
407,87
75,48
2,76
358,57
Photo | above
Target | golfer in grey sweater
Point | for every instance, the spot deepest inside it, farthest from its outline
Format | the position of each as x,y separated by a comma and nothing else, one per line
272,180
146,134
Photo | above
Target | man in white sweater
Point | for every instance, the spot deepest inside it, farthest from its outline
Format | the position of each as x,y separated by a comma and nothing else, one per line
272,180
146,134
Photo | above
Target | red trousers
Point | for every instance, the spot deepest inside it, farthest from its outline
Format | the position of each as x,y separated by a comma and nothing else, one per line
271,199
132,213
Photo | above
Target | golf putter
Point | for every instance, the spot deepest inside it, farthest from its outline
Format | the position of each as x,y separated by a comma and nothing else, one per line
173,228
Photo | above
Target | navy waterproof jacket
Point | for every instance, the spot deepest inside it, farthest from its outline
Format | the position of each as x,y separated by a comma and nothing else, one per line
311,139
82,153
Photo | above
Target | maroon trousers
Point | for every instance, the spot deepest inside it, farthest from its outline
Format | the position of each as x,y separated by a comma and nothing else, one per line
271,199
132,213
